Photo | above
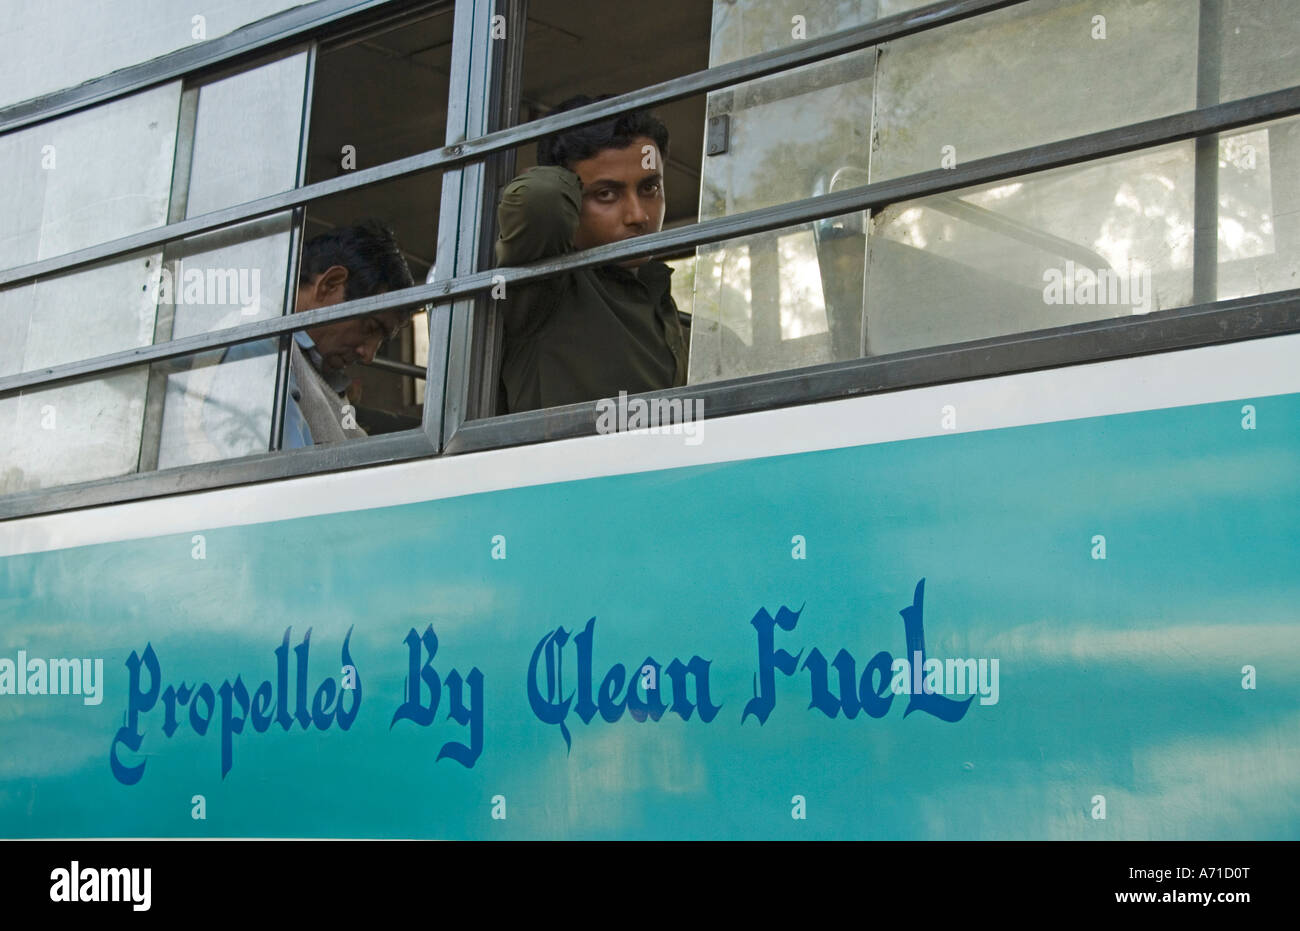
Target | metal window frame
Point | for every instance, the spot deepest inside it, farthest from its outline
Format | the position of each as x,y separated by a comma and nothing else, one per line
273,465
1178,127
475,89
297,233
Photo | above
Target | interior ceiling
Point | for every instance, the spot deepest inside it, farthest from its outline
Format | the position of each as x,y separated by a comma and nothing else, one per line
385,94
598,47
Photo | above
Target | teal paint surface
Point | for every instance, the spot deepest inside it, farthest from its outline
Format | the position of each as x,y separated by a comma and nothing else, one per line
1119,678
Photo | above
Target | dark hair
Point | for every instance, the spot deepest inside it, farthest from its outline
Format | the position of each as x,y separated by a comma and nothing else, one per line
573,145
367,249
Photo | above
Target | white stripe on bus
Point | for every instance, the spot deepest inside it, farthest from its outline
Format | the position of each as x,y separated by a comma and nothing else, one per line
1248,369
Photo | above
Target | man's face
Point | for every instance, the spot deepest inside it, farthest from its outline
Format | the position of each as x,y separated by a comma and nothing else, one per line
622,195
348,341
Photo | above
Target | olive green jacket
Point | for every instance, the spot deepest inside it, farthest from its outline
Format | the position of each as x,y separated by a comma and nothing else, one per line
581,335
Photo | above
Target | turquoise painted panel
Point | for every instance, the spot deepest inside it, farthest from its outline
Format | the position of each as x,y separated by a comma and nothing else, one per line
1121,682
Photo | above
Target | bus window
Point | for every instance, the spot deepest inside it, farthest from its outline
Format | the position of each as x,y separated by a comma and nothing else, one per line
569,54
1173,223
75,181
381,95
186,150
1102,239
1107,238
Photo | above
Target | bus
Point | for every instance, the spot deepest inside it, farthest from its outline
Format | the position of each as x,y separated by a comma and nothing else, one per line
976,518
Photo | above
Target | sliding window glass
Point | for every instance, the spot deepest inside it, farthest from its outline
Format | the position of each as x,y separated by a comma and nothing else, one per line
175,152
1159,228
71,183
244,132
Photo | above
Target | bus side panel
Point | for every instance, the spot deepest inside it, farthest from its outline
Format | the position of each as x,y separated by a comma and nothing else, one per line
737,650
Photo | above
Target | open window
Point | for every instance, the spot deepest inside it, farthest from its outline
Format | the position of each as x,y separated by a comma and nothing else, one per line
568,48
1165,226
381,95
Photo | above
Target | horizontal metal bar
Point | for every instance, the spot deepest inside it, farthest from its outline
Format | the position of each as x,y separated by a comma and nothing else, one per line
311,460
882,30
401,368
1106,143
1094,341
280,28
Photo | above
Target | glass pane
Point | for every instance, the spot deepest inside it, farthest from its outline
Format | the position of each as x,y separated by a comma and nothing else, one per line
82,179
778,300
976,263
1259,210
88,430
218,281
95,429
88,177
232,276
48,45
72,433
748,27
761,302
100,309
683,284
246,136
1030,74
1032,253
420,333
1260,47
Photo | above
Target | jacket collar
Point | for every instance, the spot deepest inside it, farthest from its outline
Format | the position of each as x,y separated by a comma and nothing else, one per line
338,381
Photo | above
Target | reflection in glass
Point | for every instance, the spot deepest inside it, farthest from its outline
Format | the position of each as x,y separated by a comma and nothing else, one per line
1109,238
